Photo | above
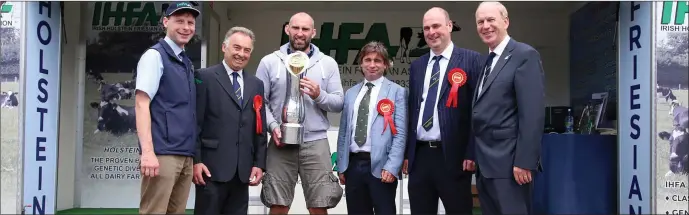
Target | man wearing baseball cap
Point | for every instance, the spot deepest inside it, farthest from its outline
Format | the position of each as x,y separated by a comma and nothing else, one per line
166,115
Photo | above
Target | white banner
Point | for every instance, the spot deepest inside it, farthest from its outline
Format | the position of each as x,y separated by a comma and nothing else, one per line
41,109
118,33
671,97
635,115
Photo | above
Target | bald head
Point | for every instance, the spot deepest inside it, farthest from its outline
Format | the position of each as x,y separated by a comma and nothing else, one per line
301,17
436,11
436,29
300,31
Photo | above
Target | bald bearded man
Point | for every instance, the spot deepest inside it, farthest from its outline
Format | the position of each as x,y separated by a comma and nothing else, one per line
310,160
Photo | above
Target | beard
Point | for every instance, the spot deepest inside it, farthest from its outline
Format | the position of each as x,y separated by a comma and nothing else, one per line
294,46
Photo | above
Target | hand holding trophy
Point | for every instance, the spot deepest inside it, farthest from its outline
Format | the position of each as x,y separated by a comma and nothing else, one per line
292,127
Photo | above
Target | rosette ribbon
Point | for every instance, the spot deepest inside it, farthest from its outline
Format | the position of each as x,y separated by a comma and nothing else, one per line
386,107
457,78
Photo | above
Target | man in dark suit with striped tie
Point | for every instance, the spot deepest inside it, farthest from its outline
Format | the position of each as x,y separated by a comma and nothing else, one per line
439,153
231,147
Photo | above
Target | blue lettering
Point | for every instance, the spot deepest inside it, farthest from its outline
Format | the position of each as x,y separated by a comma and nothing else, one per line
634,8
40,148
39,206
43,111
44,35
634,67
40,62
634,38
635,126
634,212
40,178
634,189
45,4
44,24
634,96
42,83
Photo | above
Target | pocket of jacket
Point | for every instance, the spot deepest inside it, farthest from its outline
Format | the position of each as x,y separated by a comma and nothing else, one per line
505,133
209,143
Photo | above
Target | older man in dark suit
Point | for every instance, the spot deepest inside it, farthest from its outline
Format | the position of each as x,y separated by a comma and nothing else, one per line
508,116
231,148
440,155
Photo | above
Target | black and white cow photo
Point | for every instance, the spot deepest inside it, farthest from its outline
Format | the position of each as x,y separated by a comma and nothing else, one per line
112,117
677,139
9,99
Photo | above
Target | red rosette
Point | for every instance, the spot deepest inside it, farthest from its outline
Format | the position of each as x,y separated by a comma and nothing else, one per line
258,103
386,107
457,78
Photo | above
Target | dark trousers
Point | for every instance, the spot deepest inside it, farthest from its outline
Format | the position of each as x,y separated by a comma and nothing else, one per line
503,195
431,179
230,197
365,193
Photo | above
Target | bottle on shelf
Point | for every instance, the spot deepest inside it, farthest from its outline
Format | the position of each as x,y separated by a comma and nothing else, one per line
569,122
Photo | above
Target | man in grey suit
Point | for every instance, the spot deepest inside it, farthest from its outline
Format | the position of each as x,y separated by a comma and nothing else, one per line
508,116
372,137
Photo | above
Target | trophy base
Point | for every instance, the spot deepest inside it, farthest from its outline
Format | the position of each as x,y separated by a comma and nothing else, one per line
292,133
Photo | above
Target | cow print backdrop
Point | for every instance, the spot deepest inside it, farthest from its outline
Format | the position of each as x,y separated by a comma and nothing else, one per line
110,166
672,118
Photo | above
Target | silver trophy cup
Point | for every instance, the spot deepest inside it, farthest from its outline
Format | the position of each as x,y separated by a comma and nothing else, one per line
293,113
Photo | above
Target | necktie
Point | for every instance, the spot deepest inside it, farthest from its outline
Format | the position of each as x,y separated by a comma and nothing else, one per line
362,117
486,70
236,87
427,120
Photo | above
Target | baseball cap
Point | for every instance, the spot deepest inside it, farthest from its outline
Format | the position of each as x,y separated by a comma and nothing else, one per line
175,7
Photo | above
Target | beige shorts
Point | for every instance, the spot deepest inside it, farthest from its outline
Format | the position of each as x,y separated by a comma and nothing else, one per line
309,161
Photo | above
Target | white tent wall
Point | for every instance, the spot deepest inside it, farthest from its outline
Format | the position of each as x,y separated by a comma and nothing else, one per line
70,113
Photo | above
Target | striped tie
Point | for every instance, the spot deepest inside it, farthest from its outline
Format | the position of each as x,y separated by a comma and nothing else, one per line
237,89
429,106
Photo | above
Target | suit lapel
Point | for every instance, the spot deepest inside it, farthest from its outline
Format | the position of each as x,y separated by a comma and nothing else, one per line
502,60
420,77
454,63
226,83
352,98
382,94
248,92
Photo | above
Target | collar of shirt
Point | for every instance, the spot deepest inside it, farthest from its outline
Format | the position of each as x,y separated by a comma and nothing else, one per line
230,71
501,47
446,53
310,54
174,46
376,83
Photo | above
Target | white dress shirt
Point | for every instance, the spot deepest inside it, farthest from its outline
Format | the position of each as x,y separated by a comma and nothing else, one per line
498,53
372,113
433,134
240,77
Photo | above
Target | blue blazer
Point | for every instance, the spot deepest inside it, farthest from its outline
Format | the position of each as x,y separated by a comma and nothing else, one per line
455,122
387,150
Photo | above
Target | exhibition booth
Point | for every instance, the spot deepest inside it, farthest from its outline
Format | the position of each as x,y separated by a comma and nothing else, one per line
614,67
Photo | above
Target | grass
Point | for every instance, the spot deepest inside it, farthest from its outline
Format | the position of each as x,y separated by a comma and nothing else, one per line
663,153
